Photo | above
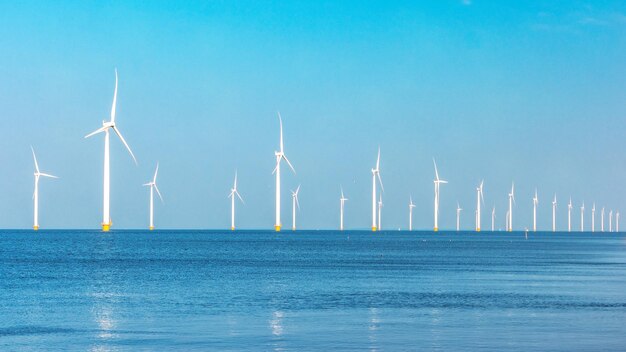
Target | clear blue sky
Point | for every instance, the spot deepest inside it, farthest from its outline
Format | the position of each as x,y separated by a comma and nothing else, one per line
502,91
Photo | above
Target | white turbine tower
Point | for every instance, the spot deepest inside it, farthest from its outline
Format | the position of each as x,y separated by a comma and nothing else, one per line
593,217
458,216
479,197
375,175
582,217
295,202
535,203
411,206
234,192
153,186
554,214
342,201
38,174
602,220
617,222
493,219
380,208
511,201
569,215
507,225
280,155
611,220
437,182
106,127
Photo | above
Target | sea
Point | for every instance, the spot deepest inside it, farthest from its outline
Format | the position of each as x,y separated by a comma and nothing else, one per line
312,291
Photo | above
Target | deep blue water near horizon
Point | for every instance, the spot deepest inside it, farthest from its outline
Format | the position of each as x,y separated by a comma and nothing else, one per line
311,290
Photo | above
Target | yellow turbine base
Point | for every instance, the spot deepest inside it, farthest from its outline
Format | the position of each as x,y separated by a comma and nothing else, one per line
106,227
293,229
232,228
36,228
151,228
436,229
374,229
478,229
277,228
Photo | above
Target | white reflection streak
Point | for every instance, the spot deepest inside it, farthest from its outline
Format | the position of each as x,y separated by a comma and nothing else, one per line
276,323
374,324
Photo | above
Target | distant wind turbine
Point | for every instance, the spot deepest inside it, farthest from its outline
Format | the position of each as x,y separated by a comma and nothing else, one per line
342,202
479,197
535,203
234,192
376,175
295,202
569,215
153,186
602,220
611,220
38,174
458,216
280,155
554,214
106,127
617,222
493,219
437,182
411,206
593,217
582,217
511,201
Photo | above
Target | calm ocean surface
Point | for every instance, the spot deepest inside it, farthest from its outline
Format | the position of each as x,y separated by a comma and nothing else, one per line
310,290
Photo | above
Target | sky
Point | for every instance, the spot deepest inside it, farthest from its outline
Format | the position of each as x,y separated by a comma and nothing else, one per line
529,92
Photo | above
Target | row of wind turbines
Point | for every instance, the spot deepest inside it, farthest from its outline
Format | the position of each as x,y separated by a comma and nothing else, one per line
377,203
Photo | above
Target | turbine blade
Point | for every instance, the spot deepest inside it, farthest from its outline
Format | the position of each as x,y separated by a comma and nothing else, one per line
114,99
235,184
99,130
289,163
47,175
380,180
125,144
436,172
378,160
35,158
239,195
155,173
158,192
280,121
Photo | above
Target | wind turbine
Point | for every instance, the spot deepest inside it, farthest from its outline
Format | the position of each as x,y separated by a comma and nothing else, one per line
380,208
376,174
437,183
106,127
535,203
582,217
234,192
569,215
153,186
617,222
593,217
411,206
507,225
479,197
611,220
602,220
511,201
458,215
280,155
554,214
38,174
294,201
493,219
342,201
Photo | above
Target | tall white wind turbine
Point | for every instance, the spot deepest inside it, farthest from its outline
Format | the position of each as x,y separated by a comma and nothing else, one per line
511,201
153,186
38,174
479,197
611,220
234,192
569,215
458,216
593,217
437,182
617,222
106,128
342,202
554,214
380,208
295,202
376,175
582,217
493,219
411,206
602,220
280,155
535,203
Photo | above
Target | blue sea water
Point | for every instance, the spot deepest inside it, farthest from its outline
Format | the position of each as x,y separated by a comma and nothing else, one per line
311,290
